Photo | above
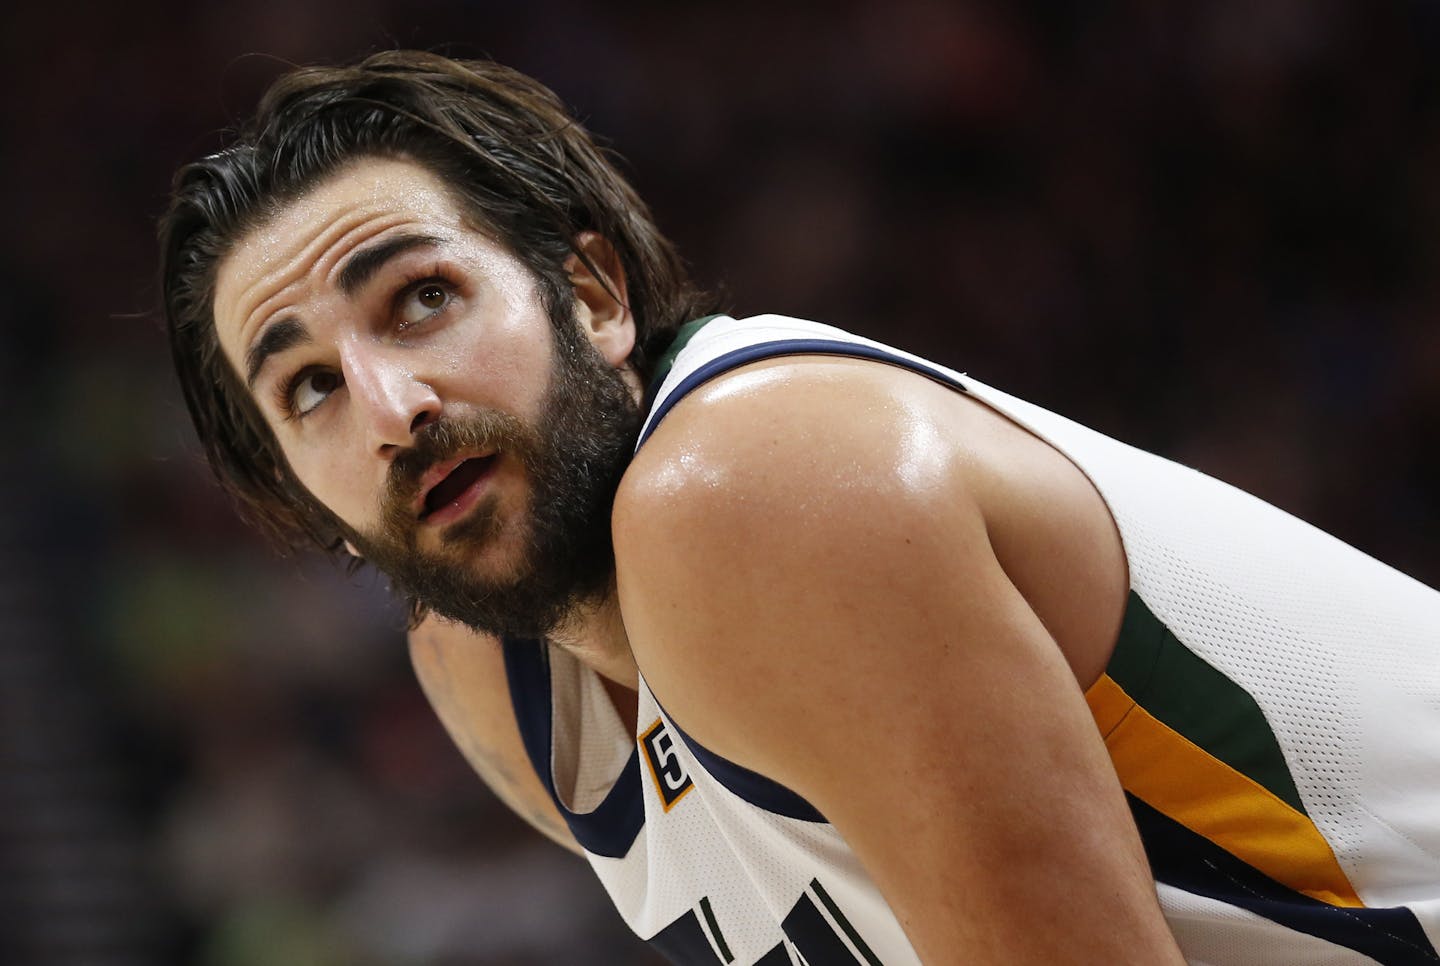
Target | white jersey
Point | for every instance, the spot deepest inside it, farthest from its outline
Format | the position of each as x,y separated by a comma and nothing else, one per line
1272,710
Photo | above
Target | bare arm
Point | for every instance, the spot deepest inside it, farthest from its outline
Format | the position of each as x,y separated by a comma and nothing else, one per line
851,633
463,675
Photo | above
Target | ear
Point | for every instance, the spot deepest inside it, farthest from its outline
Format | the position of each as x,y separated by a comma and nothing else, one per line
601,305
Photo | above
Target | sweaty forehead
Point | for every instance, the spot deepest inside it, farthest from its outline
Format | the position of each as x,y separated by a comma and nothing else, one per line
297,248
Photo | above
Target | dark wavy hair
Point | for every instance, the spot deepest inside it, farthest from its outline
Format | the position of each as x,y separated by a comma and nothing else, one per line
521,168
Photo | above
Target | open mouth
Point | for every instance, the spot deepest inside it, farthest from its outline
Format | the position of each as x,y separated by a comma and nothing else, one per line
456,484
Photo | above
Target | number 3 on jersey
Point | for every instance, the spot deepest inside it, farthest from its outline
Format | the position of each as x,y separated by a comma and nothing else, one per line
666,768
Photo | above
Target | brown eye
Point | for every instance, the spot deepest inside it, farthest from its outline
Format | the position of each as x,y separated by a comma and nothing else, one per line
422,302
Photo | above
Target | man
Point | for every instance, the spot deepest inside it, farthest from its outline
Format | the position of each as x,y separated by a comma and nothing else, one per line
853,659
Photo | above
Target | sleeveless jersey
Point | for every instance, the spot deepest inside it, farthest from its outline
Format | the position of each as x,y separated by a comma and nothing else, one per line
1272,709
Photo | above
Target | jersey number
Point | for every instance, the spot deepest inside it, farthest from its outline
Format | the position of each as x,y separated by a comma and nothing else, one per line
666,768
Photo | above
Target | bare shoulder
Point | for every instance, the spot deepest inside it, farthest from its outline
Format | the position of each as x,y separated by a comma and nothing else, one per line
877,456
463,676
797,427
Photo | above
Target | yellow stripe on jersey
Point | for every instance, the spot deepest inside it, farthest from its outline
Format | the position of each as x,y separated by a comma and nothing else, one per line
1177,777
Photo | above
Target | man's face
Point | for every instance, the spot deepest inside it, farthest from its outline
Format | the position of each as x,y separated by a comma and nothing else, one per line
419,390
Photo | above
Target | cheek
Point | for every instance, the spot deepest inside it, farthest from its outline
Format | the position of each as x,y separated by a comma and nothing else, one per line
335,481
508,370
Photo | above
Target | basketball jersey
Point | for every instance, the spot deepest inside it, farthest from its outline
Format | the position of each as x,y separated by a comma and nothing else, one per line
1272,709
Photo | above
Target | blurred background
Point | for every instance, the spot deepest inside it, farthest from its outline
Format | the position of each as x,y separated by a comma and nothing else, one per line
1211,232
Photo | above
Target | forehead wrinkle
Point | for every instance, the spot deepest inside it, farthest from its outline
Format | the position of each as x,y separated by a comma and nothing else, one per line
329,264
318,256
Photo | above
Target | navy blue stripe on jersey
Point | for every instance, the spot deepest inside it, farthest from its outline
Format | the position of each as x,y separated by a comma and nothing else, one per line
787,347
527,672
753,787
612,827
683,942
1181,858
775,957
720,944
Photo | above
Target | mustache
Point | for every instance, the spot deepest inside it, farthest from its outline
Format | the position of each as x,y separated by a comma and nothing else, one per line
443,439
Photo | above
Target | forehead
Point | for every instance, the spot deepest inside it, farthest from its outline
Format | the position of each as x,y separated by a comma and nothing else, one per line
304,241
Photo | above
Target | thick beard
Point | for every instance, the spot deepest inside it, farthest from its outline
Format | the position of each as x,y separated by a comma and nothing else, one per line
573,459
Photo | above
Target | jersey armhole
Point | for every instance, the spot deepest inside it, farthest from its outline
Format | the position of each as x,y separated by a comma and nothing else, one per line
611,829
749,786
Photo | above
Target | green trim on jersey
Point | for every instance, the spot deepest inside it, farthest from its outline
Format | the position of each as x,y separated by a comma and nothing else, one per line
1187,694
666,362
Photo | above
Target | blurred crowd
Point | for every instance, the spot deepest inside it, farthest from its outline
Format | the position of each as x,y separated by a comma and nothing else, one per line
1210,230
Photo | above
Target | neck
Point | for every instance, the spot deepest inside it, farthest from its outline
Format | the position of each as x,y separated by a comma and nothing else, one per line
594,632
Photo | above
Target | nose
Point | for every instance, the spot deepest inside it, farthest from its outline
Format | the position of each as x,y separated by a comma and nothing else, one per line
391,400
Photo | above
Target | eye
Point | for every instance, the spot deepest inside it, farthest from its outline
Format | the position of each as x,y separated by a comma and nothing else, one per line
310,389
423,301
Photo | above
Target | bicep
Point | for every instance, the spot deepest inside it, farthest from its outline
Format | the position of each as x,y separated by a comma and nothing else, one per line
463,677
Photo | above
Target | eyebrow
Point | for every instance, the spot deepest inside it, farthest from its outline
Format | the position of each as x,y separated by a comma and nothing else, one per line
285,334
363,265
